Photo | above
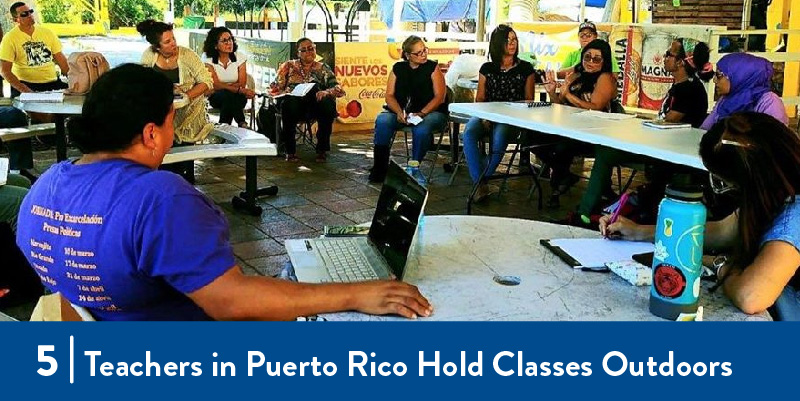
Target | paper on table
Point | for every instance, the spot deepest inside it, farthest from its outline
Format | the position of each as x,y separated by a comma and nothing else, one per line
44,97
3,170
604,115
596,252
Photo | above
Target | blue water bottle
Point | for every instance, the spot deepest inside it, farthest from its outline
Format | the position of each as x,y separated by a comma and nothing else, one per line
677,262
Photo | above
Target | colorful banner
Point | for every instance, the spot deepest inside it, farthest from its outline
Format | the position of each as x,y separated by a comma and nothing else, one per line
546,50
363,71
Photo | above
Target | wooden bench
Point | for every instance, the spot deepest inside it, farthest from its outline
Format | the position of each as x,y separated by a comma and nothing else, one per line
238,142
12,134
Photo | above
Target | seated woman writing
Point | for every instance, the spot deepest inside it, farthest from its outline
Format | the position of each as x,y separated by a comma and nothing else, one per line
319,103
756,158
157,247
228,69
505,78
415,89
592,86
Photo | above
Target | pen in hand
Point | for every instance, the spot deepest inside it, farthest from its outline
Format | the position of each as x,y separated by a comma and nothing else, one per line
620,205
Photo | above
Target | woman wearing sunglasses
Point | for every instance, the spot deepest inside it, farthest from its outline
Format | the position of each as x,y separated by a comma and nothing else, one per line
415,90
593,86
319,103
744,83
228,69
757,159
686,102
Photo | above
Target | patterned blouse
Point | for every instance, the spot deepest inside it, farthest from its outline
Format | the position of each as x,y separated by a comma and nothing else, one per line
508,85
292,73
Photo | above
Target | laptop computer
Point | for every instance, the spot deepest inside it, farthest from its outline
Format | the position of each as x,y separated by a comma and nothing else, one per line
382,253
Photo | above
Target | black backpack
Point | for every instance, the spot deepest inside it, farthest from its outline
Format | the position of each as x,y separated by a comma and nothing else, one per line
15,273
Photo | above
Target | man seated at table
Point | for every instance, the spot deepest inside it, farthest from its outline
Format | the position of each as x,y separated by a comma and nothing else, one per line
587,32
28,55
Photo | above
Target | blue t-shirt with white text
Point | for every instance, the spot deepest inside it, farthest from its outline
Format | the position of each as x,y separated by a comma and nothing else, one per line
786,228
123,240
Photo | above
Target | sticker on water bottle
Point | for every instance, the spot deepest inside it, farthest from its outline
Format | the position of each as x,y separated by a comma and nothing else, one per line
668,227
669,281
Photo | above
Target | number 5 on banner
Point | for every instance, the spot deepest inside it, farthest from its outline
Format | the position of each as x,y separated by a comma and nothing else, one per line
47,359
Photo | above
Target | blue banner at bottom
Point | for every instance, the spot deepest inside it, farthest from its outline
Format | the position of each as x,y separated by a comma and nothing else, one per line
420,360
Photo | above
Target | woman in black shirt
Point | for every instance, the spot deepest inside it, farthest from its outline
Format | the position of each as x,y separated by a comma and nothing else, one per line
415,90
505,78
686,102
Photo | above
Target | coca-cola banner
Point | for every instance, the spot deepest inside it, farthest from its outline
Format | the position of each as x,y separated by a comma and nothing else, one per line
363,70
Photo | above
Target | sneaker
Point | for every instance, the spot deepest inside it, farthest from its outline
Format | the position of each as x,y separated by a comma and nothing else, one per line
481,193
321,157
292,158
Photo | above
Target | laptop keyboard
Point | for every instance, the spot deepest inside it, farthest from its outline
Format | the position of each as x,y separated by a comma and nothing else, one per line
344,261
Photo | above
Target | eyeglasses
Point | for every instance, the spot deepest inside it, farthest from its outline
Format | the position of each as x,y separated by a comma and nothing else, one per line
226,40
595,60
26,13
512,40
307,49
586,35
718,185
420,53
719,75
667,55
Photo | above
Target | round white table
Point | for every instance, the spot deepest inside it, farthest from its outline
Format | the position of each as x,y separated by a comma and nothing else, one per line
72,105
456,258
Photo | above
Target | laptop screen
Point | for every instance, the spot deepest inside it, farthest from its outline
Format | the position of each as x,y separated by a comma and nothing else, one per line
399,207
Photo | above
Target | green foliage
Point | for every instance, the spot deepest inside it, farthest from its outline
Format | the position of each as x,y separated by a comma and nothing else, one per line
131,12
59,11
198,7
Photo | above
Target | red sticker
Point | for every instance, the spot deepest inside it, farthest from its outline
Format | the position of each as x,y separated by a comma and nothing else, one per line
669,281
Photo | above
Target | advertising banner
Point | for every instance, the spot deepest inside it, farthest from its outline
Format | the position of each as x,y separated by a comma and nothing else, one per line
363,71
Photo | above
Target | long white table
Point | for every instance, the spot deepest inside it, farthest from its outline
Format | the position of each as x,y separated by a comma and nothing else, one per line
678,146
455,258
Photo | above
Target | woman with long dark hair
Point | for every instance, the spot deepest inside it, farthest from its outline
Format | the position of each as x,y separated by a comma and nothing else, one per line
686,102
505,78
592,86
757,159
228,69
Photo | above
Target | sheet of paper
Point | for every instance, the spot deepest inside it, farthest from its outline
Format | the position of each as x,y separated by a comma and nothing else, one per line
3,170
604,115
596,252
302,89
414,119
44,97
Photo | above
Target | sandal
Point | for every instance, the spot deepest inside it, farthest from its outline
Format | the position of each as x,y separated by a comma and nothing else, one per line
292,158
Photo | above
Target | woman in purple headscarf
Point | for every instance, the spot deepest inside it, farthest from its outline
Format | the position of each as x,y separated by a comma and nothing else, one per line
744,83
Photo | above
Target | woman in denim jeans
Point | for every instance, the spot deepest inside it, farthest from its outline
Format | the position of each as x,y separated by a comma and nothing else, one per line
505,78
415,89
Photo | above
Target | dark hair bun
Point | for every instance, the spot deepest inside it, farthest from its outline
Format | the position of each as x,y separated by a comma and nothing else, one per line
701,56
145,26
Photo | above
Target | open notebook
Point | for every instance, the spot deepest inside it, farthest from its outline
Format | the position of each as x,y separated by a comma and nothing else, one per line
3,170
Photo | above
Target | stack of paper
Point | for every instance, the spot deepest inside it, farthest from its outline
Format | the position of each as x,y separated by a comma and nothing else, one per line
3,170
42,97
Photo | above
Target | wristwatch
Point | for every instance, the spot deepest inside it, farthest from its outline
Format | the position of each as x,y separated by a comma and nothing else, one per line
718,263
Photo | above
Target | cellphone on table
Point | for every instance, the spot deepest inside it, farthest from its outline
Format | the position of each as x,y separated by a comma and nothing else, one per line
644,258
345,231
